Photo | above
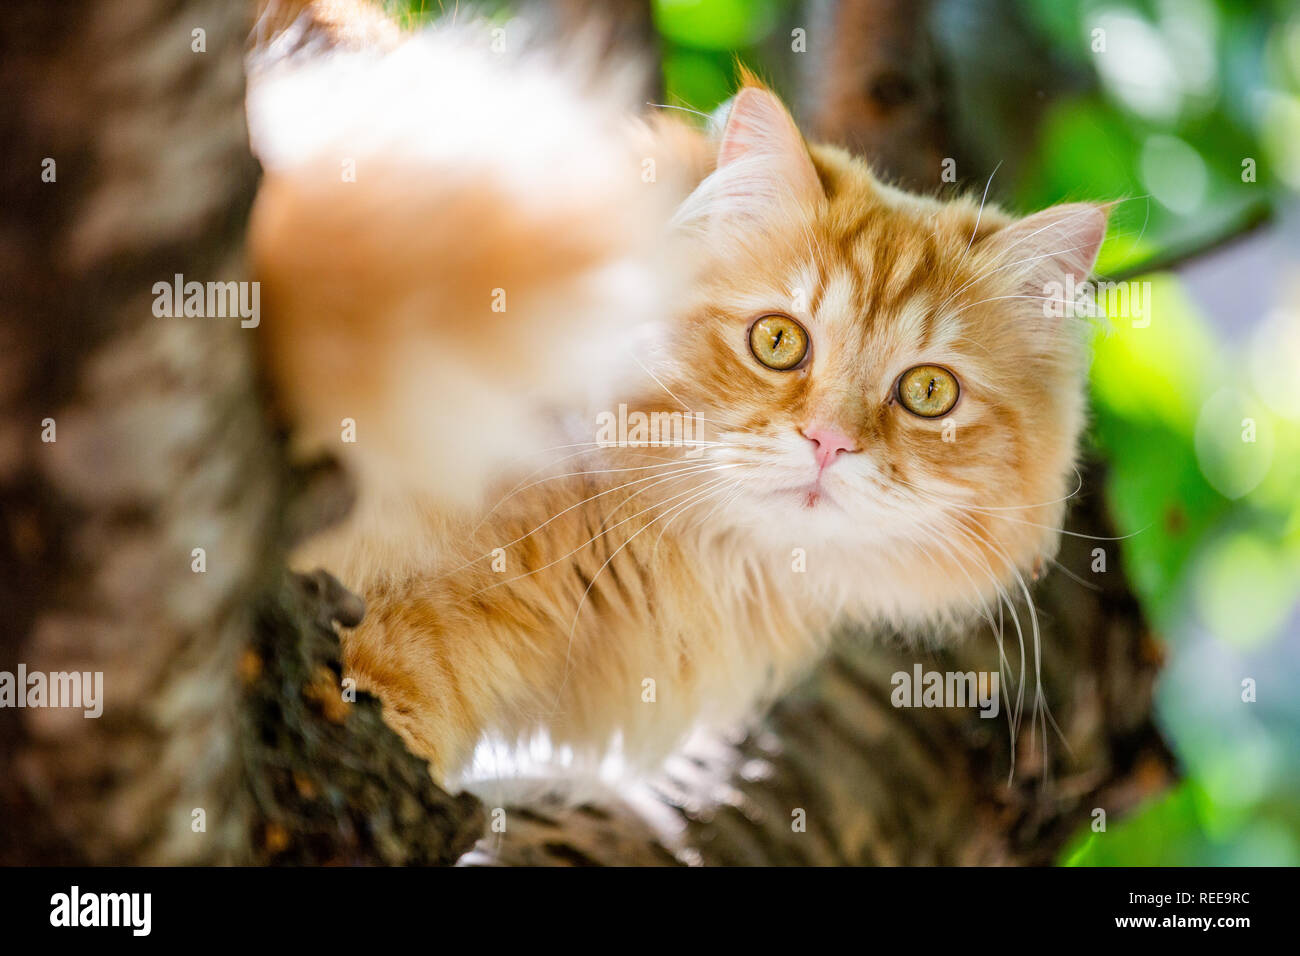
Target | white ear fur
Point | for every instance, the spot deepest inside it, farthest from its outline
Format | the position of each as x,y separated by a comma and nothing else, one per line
763,164
1049,246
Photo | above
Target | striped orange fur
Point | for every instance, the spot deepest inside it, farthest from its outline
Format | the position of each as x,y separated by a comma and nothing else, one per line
616,596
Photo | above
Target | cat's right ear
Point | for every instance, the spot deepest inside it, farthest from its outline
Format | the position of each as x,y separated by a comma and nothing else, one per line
763,167
1049,246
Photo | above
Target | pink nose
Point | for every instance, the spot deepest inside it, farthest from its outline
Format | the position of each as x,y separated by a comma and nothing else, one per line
827,444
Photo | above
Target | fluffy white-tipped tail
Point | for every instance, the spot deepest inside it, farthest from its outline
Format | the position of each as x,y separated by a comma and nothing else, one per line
454,238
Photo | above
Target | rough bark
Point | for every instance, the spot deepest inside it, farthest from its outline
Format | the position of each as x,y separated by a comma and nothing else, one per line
330,783
161,445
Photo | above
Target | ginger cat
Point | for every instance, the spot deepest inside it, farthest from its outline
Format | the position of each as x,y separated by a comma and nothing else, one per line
640,412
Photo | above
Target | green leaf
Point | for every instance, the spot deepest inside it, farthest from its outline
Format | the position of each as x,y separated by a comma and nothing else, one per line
715,24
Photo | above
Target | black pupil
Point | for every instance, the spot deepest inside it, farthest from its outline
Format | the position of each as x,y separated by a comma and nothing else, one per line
929,389
776,342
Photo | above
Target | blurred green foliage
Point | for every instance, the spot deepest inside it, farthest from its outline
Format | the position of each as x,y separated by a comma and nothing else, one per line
1199,421
702,40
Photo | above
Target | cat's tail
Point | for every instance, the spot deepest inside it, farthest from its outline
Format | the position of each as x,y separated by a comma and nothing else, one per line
455,235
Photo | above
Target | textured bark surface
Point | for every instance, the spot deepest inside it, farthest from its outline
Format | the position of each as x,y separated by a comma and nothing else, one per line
331,784
161,445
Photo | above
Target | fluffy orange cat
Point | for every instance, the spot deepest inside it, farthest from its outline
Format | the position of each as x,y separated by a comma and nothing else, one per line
639,413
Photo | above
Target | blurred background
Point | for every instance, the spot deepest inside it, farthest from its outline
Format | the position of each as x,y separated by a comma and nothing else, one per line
1188,113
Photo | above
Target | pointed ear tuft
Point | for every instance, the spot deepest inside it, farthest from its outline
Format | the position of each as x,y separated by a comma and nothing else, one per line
763,167
759,128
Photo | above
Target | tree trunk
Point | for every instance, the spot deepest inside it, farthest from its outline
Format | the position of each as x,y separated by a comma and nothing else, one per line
871,82
160,446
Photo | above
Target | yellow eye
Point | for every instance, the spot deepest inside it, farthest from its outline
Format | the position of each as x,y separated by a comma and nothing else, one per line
778,341
928,391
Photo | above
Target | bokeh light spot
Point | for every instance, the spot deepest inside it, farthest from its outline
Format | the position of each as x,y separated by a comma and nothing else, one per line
1244,590
1234,442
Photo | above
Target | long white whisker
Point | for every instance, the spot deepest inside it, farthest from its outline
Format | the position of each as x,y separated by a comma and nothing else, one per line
524,482
661,384
980,215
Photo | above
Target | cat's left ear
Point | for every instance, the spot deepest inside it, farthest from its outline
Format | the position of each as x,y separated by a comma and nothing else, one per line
1051,247
763,165
760,131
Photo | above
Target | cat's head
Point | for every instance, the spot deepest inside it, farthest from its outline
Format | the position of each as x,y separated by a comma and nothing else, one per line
881,369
